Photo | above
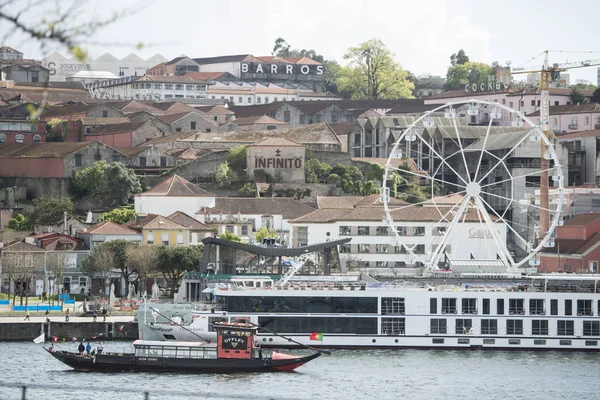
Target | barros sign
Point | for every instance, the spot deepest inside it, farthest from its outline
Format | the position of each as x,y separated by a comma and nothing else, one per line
282,69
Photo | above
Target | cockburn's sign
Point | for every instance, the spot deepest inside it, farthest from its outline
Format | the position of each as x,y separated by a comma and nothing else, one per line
492,85
282,69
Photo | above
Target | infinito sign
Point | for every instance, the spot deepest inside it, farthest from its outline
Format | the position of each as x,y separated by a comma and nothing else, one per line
282,69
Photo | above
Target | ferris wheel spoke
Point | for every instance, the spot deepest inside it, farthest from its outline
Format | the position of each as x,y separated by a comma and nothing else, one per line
524,204
517,177
504,254
436,253
483,149
425,201
426,177
462,150
442,159
504,157
506,222
487,247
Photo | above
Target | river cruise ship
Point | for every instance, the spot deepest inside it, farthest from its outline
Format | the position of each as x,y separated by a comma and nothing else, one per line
553,312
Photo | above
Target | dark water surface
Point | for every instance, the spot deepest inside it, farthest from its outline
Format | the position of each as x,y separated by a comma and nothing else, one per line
372,374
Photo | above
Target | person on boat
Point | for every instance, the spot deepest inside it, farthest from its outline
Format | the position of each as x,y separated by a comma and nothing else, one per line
100,348
52,347
88,348
67,315
81,348
47,316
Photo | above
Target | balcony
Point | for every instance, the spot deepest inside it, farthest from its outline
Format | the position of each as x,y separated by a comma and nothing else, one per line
573,126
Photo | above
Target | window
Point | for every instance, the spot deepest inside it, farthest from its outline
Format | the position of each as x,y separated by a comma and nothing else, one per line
586,120
249,100
593,265
287,116
392,306
522,103
302,118
433,305
150,238
500,307
19,138
419,231
489,327
568,307
448,306
584,307
193,125
104,114
334,117
381,248
437,326
318,117
157,86
399,264
490,341
244,230
2,138
345,231
142,161
163,161
392,326
381,231
533,102
539,342
463,341
565,328
78,160
37,139
469,306
591,328
532,181
539,327
178,87
165,239
363,231
202,88
401,230
230,229
345,248
363,248
419,249
515,306
553,307
240,99
179,238
464,326
536,307
302,236
400,249
168,86
514,326
486,306
177,129
510,104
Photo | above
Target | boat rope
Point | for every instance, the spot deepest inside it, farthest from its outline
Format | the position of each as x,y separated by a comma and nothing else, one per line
289,339
179,324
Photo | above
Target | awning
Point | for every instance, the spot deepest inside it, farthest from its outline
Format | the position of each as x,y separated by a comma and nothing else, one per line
208,290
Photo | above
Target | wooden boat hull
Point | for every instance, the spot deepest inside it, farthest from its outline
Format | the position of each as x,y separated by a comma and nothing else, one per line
129,362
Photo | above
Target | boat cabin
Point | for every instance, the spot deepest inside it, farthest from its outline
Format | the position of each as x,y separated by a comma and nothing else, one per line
235,339
162,349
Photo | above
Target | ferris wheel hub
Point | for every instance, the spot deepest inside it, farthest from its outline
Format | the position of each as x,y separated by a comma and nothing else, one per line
473,189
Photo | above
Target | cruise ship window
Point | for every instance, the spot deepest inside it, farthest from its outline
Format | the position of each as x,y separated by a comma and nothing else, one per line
516,306
392,326
392,306
554,307
382,230
381,248
489,326
345,231
486,306
363,231
345,248
363,248
568,307
433,305
464,326
539,327
514,326
419,231
469,306
448,306
584,307
591,328
500,307
536,307
565,328
400,249
437,326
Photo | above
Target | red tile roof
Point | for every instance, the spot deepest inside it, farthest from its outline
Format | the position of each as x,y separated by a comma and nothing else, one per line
175,185
109,228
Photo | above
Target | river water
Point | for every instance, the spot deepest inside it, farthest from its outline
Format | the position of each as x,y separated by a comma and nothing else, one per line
364,374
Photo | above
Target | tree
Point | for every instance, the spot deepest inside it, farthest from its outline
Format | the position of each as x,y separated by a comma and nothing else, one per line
281,48
173,261
100,262
50,211
111,184
19,223
264,233
236,159
142,260
56,262
56,129
372,73
119,248
459,58
119,215
469,72
583,84
230,236
224,175
576,96
596,95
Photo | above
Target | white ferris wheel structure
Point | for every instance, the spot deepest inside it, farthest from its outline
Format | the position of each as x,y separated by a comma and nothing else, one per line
486,185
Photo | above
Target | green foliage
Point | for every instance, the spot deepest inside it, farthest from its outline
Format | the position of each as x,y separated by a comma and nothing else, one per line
402,187
596,95
372,73
224,175
50,211
110,184
334,179
576,96
230,236
584,85
119,215
19,223
374,172
173,261
316,171
56,130
469,72
264,233
236,158
247,190
459,58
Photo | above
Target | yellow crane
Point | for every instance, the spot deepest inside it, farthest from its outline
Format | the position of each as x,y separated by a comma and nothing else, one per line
548,73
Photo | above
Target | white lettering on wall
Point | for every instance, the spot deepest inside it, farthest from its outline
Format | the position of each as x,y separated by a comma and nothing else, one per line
244,67
273,68
319,70
259,69
305,69
289,69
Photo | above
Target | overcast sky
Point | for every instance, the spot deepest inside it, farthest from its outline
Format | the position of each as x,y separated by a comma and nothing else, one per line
422,34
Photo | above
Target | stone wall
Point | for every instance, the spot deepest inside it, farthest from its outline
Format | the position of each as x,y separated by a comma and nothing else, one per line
329,157
201,123
203,168
304,192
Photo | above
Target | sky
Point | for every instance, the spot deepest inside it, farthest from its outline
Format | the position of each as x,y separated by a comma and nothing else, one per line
422,34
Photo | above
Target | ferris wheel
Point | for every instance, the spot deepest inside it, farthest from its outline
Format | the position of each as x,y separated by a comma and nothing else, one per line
459,194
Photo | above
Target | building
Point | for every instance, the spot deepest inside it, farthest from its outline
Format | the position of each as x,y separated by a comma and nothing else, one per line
190,121
429,86
13,67
197,229
62,67
127,134
91,76
74,111
279,158
171,195
148,160
22,131
158,230
572,118
9,54
108,231
583,157
576,247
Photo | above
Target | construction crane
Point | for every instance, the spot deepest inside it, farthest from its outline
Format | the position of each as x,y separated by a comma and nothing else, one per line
548,74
